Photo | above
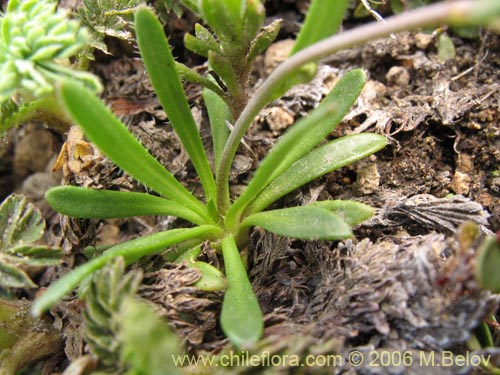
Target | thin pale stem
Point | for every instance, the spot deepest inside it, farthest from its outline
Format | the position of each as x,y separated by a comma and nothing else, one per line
441,13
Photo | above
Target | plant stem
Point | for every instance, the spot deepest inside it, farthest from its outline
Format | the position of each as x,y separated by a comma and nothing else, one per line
460,12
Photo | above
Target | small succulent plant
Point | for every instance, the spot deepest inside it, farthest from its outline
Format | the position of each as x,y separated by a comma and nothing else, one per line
33,36
36,42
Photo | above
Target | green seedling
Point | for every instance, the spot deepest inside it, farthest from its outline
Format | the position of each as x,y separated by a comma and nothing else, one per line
236,36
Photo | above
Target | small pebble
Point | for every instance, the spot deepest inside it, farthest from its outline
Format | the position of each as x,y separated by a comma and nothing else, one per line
33,152
276,53
460,183
422,40
368,179
397,76
278,119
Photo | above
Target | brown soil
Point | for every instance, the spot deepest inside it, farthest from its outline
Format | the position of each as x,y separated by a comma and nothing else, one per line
403,283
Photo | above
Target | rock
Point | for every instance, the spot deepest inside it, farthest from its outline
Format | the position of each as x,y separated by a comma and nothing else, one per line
33,152
368,179
460,183
397,76
276,54
278,119
422,40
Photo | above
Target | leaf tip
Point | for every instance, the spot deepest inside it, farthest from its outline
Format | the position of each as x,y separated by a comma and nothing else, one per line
38,308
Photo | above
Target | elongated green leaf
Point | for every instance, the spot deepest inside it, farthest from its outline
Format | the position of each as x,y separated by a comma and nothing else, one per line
484,337
301,138
236,9
160,65
221,65
223,17
130,251
34,255
106,204
351,212
488,264
196,45
192,5
324,159
206,36
114,140
241,316
190,75
203,42
323,19
219,115
266,36
305,222
253,19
